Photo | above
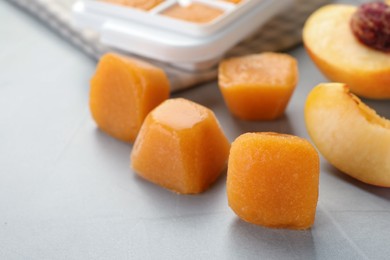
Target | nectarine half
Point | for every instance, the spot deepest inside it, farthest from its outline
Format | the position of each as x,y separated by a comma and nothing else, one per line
341,57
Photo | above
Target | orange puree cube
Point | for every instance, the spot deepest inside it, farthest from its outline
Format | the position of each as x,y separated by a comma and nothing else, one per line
138,4
123,91
196,13
273,180
180,147
258,86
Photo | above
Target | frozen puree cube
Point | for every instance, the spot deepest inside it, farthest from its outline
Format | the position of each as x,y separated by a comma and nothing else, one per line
273,180
258,86
180,147
123,91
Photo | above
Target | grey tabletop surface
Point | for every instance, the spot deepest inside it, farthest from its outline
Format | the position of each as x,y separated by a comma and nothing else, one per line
67,191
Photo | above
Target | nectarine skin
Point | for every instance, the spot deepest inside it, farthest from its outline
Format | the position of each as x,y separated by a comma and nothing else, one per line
341,57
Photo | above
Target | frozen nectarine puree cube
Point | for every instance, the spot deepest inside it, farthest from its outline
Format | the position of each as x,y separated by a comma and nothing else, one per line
258,86
196,13
138,4
273,180
180,147
123,91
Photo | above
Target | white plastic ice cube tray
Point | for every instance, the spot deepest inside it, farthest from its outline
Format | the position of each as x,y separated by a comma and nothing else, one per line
185,44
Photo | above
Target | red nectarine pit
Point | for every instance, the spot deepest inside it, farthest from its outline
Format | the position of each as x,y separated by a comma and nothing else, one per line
371,25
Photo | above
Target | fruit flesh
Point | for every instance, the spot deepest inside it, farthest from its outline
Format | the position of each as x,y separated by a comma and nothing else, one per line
349,134
195,12
123,91
273,180
180,147
341,57
259,86
139,4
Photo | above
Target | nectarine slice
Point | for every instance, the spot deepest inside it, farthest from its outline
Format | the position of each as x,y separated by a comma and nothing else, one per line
123,91
258,86
273,180
335,50
349,134
180,147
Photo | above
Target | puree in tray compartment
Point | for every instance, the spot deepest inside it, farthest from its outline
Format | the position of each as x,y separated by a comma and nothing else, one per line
233,1
195,12
138,4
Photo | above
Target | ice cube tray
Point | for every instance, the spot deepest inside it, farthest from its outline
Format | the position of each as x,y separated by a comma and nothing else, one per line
169,32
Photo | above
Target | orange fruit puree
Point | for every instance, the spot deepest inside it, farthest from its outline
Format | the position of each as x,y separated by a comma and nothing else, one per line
196,13
273,180
139,4
258,86
180,147
123,91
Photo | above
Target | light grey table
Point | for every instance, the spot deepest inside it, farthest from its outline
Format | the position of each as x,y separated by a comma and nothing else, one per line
67,192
